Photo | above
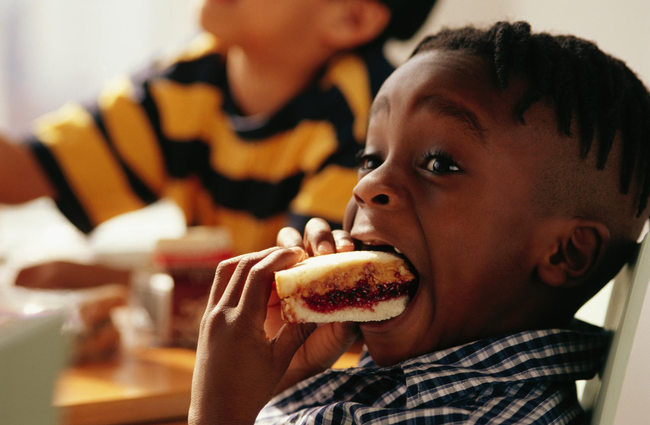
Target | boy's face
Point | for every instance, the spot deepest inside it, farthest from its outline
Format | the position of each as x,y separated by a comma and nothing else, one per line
253,23
447,177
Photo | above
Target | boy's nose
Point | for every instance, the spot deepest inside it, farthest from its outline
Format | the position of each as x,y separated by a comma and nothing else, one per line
375,191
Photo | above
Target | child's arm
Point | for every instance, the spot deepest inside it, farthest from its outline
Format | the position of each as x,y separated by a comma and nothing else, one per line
67,275
21,179
238,368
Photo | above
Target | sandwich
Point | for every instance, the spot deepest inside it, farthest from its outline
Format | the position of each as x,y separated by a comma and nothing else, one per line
357,286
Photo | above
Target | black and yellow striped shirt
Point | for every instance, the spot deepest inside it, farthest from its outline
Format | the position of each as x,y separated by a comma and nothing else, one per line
177,133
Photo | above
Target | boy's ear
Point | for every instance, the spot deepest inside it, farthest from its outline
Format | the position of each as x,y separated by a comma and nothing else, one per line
578,247
356,22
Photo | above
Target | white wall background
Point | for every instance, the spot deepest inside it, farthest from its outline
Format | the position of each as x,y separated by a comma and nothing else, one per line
55,51
52,51
619,27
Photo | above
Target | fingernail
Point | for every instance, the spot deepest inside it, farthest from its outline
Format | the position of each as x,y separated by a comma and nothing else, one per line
344,242
325,247
298,251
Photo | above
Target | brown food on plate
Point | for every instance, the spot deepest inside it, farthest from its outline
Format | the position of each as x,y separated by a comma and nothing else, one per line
357,286
100,338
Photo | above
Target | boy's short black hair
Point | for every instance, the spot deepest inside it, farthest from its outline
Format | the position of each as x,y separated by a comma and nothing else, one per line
407,16
604,95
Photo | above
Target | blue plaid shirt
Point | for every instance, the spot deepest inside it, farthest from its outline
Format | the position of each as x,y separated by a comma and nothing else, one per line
525,378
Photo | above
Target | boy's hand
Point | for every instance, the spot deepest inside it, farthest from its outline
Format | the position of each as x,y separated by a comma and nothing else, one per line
238,366
319,238
323,347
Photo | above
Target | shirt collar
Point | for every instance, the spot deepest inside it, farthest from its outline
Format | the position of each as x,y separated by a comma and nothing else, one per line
550,354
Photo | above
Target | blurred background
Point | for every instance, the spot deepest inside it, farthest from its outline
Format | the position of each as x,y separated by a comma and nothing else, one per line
56,51
52,52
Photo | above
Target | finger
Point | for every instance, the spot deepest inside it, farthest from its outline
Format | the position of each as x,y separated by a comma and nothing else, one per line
274,299
350,214
318,237
273,321
288,237
224,271
345,334
289,339
235,286
329,342
343,241
257,291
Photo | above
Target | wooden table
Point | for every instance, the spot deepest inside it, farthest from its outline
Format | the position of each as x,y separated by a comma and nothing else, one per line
139,386
150,386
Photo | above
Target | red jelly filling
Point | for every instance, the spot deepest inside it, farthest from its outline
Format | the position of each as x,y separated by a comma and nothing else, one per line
362,295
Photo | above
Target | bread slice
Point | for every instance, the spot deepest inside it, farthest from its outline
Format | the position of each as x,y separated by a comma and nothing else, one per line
357,286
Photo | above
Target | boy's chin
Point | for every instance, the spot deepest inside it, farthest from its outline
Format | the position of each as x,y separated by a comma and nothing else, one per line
386,350
389,341
383,326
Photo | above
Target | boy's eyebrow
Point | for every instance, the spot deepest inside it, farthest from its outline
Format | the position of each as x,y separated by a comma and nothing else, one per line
453,110
381,103
441,105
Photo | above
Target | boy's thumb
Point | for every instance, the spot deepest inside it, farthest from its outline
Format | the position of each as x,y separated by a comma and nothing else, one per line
329,342
290,338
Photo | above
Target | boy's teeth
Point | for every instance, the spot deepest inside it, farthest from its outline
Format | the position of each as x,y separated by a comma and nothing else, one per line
398,251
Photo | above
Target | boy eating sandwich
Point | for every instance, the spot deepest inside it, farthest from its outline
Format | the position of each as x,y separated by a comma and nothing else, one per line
511,170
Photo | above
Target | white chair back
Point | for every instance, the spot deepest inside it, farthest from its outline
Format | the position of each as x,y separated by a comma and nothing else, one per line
624,311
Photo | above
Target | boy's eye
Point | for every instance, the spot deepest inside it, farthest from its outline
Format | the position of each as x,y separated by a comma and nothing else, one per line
440,163
368,162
